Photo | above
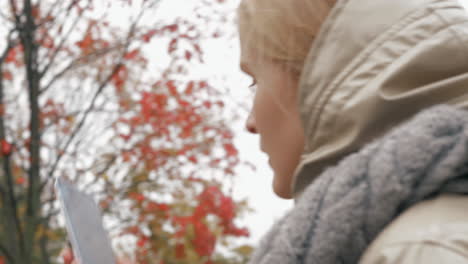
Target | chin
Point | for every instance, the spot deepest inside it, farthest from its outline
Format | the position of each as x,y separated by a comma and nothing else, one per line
282,190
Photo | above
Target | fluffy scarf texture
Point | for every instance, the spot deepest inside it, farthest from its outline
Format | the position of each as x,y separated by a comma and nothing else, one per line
341,213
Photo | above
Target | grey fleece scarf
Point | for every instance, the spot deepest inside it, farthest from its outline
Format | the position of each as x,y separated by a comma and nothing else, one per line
341,213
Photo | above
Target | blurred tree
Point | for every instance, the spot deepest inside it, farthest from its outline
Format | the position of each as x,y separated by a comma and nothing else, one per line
81,97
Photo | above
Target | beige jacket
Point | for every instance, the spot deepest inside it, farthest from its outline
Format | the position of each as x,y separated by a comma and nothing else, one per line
432,232
373,65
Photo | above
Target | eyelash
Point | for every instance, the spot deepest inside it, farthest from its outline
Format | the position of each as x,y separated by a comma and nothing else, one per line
253,84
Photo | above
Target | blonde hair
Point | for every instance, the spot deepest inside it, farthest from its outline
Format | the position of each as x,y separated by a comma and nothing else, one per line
282,30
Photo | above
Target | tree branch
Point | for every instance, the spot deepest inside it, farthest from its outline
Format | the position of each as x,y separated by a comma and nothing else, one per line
98,92
27,35
14,11
62,42
74,64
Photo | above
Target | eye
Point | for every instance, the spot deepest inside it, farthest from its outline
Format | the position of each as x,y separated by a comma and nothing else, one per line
254,82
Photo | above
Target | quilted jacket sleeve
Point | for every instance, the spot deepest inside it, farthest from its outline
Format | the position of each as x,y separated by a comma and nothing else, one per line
419,253
434,231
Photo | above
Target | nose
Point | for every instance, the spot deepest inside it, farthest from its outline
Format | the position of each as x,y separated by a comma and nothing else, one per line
250,124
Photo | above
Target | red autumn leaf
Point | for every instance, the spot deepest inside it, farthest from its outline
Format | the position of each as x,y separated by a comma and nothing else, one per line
137,197
151,103
215,162
186,133
132,54
147,37
125,137
197,48
11,56
233,230
86,42
226,210
7,75
203,84
172,87
6,147
20,180
183,103
126,156
193,159
227,134
172,46
160,99
228,171
180,251
207,104
230,149
132,230
172,28
119,77
204,241
189,88
142,241
35,11
188,55
153,206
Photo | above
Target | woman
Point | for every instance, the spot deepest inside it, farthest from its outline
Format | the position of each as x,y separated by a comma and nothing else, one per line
340,85
339,91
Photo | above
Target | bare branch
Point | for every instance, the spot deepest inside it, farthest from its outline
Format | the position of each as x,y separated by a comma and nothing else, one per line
84,118
102,171
49,13
81,61
14,11
98,92
62,42
51,214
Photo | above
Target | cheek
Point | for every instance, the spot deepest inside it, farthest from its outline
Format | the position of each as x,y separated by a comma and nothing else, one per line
278,123
274,106
266,111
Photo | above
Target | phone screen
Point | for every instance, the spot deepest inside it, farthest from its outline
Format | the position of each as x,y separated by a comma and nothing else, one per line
84,225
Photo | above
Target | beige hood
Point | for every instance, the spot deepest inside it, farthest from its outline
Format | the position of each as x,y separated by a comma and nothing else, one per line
374,64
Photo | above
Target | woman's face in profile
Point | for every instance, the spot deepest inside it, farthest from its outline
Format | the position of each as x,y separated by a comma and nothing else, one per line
275,117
